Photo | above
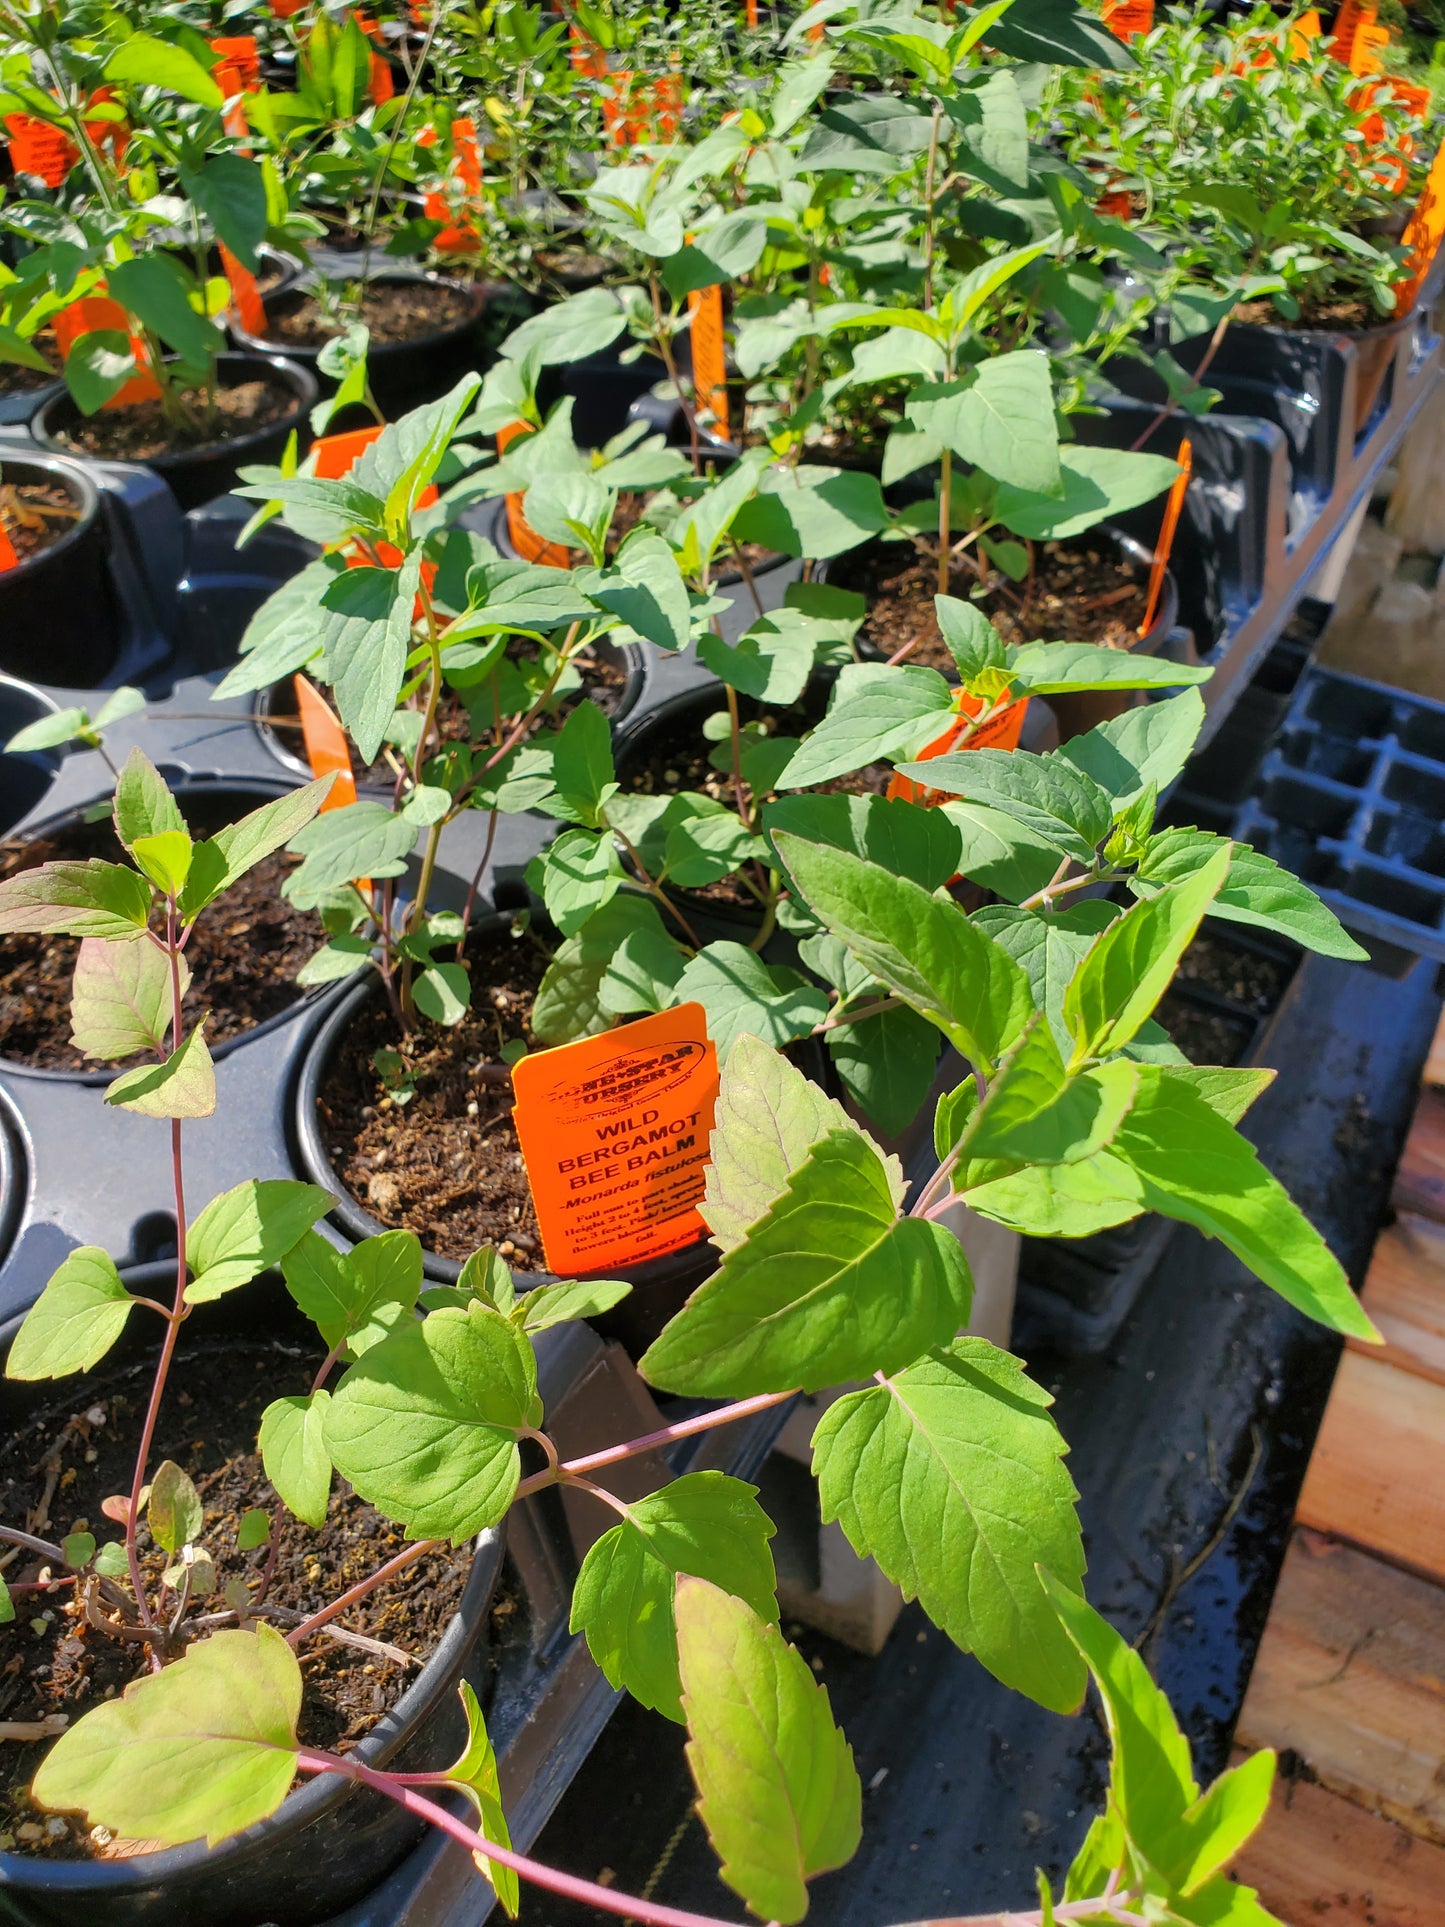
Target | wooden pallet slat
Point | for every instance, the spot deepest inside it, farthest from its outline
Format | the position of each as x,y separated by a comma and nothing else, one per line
1405,1295
1317,1858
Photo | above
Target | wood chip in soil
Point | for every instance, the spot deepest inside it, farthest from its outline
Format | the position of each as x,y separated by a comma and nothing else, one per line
1082,592
141,432
80,1450
244,956
394,311
446,1164
35,514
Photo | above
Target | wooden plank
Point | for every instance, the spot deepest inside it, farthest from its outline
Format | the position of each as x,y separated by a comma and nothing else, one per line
1420,1180
1319,1859
1405,1295
1377,1476
1351,1677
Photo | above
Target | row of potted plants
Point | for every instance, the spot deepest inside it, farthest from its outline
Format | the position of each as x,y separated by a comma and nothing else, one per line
830,911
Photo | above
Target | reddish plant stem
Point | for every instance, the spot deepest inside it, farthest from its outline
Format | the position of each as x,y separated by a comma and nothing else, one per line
649,1913
476,883
684,1429
362,1588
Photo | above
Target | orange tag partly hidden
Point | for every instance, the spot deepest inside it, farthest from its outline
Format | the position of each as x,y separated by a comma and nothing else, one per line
616,1132
326,747
8,558
40,149
241,52
709,360
1126,18
456,237
382,85
750,12
113,134
586,56
1423,233
98,314
640,109
525,539
283,9
245,295
1178,489
1003,732
333,456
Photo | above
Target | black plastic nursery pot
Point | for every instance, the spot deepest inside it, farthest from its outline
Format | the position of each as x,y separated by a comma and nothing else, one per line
59,620
1077,714
25,775
330,1842
403,374
198,475
660,1285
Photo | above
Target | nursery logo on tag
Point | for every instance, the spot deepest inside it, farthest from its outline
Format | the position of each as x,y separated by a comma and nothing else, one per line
617,1140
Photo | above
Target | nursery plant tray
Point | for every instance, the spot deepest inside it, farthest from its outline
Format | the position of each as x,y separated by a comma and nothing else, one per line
1352,798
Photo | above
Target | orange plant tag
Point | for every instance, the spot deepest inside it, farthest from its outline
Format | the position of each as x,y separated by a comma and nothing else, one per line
284,9
709,359
244,293
1423,232
113,134
333,456
616,1132
1178,488
1126,18
8,558
750,12
40,149
97,314
326,748
525,539
586,56
456,237
1002,732
241,52
640,109
382,85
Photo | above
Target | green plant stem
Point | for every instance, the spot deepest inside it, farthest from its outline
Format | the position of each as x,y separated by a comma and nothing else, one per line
928,210
838,1018
655,889
438,12
945,518
663,342
735,737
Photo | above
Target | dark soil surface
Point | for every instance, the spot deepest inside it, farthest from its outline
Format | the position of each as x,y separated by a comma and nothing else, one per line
244,956
35,514
1245,978
1082,591
446,1164
141,432
1204,1036
572,267
15,380
80,1450
393,310
1350,312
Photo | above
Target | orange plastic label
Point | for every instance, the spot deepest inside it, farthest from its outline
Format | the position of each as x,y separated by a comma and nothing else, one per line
1178,489
1000,732
240,52
616,1132
640,109
709,358
40,149
1424,230
1126,18
381,86
244,293
1117,204
750,12
113,134
525,539
98,314
456,237
8,558
333,456
284,9
586,56
326,747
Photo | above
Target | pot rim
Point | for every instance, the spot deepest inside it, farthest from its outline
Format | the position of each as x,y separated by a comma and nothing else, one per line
477,294
309,1000
231,361
354,1222
69,470
319,1794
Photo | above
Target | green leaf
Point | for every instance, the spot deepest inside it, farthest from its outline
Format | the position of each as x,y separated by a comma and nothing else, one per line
1195,1166
165,859
93,899
1150,744
569,1001
120,998
1133,962
1097,482
199,1750
768,1117
582,766
1036,1116
560,1304
51,731
293,1450
771,662
922,947
75,1321
1058,33
1052,668
778,1792
1255,891
813,511
354,1297
913,842
340,958
359,840
98,365
887,1064
831,1284
145,61
143,805
424,1425
951,1476
154,288
1228,1091
254,1529
79,1549
477,1776
1049,946
174,1514
247,1230
366,650
230,192
580,872
183,1086
7,1605
704,1524
642,976
1045,795
741,995
645,590
1063,1200
225,858
876,712
999,418
703,846
443,992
